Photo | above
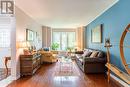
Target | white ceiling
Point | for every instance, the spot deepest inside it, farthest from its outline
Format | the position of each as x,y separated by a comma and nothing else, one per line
64,13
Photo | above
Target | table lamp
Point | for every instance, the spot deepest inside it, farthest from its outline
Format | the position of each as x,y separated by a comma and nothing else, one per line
25,45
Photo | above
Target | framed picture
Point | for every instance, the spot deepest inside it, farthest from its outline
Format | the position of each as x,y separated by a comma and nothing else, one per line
96,35
29,35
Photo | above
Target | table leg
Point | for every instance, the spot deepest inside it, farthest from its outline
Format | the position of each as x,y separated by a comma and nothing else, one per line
6,62
6,66
108,77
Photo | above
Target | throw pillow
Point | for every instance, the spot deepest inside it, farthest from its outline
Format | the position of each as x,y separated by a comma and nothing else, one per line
94,54
100,54
79,52
86,54
46,49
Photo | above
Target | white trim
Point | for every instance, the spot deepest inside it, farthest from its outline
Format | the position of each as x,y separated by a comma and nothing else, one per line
6,82
15,78
103,11
120,81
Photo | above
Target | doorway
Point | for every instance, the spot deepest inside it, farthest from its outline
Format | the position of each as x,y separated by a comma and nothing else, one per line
7,26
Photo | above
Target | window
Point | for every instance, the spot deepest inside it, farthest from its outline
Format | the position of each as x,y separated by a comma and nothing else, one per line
71,39
4,38
56,38
64,39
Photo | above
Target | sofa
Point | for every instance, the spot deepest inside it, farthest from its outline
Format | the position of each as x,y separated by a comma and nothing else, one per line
91,61
48,57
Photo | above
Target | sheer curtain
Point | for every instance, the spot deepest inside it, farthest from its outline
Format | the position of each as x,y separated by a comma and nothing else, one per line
71,39
81,39
64,41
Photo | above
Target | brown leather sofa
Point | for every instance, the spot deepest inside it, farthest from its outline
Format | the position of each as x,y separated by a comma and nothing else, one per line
90,62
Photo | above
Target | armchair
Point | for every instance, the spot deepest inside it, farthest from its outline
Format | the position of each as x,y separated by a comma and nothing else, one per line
48,57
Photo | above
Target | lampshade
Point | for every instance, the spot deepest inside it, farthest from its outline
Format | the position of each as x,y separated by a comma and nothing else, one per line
76,45
24,44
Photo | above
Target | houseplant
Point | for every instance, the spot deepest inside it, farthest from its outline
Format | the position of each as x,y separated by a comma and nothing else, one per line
55,46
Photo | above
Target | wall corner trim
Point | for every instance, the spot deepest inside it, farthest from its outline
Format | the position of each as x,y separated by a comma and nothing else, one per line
16,78
103,12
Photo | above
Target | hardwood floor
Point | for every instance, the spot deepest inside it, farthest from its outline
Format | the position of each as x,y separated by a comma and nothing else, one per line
45,77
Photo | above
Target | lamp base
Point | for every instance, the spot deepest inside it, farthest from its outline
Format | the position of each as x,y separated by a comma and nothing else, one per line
26,52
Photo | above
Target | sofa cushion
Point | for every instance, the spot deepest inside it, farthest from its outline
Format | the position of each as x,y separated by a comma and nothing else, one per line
94,54
87,53
79,56
79,52
100,54
46,49
94,60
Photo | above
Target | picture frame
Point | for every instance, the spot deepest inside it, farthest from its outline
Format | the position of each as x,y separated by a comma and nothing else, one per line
96,34
29,35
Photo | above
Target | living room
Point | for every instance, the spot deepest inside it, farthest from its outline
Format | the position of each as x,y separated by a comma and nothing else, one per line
76,43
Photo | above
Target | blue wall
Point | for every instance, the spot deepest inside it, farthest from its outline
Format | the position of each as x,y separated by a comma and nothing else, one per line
114,22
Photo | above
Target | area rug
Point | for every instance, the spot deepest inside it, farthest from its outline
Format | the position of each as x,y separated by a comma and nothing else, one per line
66,70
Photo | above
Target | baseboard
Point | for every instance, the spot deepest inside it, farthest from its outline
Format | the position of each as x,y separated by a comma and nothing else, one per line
18,77
6,82
118,81
15,78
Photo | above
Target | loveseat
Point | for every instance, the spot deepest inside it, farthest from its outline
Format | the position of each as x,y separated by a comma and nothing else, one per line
91,61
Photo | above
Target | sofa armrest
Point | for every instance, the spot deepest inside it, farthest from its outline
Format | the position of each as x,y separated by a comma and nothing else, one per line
94,60
79,52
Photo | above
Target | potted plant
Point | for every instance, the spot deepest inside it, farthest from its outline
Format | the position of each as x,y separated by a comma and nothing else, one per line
54,46
70,49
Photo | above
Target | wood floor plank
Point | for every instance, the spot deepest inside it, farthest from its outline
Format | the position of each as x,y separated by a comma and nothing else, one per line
45,77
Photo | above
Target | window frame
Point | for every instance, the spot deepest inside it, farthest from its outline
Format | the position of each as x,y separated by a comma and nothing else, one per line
5,37
61,31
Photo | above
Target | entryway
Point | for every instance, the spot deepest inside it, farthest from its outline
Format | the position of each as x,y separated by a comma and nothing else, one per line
7,26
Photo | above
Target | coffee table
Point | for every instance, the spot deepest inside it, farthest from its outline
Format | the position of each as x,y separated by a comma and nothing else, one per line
66,64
